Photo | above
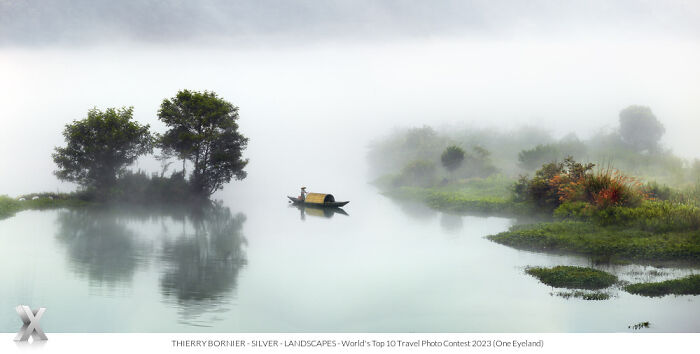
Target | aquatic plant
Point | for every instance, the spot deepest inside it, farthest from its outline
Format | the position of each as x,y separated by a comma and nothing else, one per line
584,295
571,277
689,285
639,325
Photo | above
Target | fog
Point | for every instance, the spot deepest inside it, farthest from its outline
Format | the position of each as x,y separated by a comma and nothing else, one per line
443,103
316,82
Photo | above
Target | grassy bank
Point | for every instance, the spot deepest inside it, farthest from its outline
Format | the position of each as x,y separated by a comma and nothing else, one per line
487,196
651,215
570,277
689,285
38,201
8,206
604,242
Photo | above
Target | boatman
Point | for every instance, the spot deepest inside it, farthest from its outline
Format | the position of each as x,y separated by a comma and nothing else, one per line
302,197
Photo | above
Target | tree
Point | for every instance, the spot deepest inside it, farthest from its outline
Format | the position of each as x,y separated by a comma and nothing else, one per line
203,130
100,146
452,157
640,128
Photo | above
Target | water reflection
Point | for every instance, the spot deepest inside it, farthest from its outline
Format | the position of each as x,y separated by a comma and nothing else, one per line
198,251
451,222
99,245
202,264
415,210
313,211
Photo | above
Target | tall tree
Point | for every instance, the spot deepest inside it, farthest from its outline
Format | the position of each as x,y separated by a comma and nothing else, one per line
640,128
204,131
100,146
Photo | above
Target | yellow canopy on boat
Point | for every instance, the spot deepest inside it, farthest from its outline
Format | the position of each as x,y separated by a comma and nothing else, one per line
319,198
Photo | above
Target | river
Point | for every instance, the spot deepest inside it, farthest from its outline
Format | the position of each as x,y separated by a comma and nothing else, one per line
257,264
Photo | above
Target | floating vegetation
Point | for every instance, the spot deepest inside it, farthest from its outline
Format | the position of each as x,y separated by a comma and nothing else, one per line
584,295
639,325
571,277
689,285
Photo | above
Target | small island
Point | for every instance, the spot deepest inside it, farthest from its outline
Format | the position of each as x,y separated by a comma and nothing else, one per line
631,201
202,135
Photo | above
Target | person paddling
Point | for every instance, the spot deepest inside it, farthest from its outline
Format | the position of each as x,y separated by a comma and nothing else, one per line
302,197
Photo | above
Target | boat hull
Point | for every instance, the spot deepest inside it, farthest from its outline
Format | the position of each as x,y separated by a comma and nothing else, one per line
297,201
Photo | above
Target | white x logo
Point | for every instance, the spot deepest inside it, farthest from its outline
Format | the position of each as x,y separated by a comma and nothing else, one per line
31,323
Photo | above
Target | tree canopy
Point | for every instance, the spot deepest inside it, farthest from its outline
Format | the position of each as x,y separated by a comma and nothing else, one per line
452,157
204,131
640,128
100,146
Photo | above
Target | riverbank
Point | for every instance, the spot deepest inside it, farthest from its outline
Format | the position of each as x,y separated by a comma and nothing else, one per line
38,201
476,196
607,243
651,231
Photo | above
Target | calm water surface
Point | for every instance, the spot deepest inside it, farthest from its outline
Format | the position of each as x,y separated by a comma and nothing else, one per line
255,264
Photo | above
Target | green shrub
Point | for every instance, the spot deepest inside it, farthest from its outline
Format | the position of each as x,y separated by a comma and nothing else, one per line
574,211
655,191
452,157
554,183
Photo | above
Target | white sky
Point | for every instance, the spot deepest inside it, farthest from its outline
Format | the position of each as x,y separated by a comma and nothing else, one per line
351,88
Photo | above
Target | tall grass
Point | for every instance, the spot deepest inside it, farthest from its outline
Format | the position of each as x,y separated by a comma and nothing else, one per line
608,187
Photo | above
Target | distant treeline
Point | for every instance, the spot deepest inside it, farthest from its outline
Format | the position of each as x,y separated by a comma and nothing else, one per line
202,133
424,156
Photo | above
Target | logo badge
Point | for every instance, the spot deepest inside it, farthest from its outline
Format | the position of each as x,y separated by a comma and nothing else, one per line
31,323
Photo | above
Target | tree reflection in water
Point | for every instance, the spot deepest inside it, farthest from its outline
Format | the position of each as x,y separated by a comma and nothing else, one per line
200,254
202,265
99,245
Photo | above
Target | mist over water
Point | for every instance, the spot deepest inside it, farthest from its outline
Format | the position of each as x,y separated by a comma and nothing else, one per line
317,83
323,103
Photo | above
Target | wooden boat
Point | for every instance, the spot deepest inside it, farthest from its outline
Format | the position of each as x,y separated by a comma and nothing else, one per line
318,200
